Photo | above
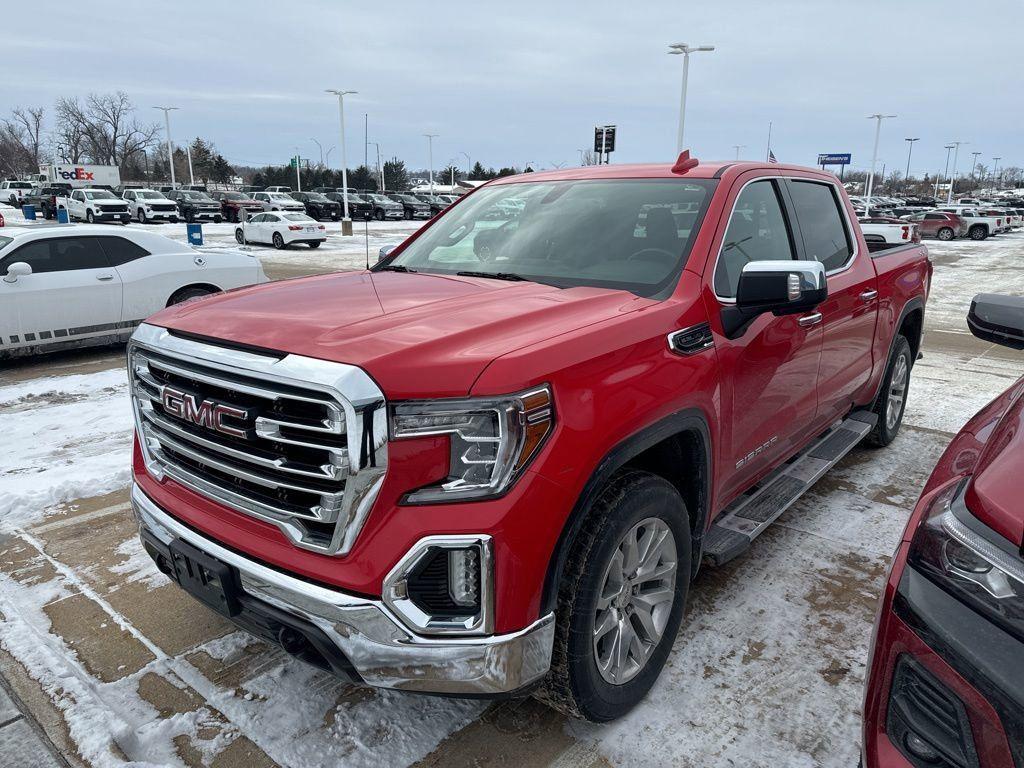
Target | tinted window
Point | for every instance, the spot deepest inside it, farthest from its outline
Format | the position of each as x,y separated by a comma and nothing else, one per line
121,251
821,224
58,254
932,217
757,232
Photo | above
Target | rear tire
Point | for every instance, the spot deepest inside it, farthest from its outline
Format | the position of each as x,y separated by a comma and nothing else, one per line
278,241
946,233
891,403
314,243
591,676
977,232
188,293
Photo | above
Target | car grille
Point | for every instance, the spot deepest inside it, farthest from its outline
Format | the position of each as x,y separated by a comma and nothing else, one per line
297,442
114,209
163,208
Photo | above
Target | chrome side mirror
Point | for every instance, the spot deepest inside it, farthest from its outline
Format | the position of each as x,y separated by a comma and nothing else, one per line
779,287
16,270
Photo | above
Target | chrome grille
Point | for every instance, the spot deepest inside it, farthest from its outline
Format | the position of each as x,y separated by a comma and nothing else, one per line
294,441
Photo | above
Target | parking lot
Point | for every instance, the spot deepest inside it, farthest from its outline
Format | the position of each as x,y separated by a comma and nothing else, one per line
118,665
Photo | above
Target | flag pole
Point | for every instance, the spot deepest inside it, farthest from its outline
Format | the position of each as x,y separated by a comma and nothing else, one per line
768,151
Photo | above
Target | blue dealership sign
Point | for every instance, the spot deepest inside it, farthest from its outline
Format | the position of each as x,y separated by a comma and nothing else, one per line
836,159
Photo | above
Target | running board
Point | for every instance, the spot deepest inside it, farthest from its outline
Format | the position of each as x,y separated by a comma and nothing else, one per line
746,518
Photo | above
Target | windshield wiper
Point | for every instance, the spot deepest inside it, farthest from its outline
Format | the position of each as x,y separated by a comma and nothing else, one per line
394,268
496,275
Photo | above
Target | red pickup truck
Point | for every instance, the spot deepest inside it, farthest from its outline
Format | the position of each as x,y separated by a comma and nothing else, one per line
492,463
946,669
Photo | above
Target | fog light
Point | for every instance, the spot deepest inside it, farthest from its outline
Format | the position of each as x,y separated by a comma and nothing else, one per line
920,748
464,576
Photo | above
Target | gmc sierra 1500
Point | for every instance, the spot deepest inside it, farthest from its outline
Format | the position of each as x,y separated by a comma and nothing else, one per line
492,463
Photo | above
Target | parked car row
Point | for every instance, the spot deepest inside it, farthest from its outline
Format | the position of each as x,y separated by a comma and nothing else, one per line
974,218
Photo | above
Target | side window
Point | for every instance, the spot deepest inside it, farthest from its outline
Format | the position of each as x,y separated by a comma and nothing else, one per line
77,196
821,223
932,217
120,250
757,232
59,254
129,195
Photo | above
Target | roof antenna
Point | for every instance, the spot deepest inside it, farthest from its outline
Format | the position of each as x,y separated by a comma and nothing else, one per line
685,163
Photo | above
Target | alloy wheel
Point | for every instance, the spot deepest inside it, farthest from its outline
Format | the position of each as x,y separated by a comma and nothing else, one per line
635,602
897,392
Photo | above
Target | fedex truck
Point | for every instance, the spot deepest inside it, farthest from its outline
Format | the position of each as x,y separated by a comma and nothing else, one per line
79,175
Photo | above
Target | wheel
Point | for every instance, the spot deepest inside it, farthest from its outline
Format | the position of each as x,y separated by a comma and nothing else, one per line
142,216
621,598
408,215
378,215
239,236
89,217
218,219
315,243
892,397
189,217
977,232
278,241
188,293
946,233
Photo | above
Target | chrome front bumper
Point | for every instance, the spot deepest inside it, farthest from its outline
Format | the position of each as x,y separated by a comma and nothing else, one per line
380,649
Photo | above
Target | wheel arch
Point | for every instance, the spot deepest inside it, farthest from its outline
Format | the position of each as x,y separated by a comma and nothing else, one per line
681,440
205,286
911,319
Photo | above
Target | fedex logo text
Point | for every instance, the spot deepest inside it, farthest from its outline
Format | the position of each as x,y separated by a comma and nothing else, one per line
79,174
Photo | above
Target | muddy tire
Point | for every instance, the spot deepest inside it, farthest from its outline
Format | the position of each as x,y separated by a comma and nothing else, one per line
891,402
621,598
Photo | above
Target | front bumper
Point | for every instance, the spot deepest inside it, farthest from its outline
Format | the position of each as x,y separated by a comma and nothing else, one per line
104,216
162,215
365,641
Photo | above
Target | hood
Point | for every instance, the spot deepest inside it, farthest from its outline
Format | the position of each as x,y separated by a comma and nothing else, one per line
993,493
417,335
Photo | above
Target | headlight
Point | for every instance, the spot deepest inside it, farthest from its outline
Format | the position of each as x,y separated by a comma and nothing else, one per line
983,575
492,440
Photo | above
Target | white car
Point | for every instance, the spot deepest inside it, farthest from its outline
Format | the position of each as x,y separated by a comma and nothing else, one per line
13,191
278,201
79,286
147,205
281,230
93,205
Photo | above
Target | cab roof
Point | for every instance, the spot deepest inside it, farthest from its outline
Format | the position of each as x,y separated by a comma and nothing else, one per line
703,170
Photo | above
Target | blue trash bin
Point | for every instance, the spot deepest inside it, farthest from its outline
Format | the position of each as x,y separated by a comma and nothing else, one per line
195,234
62,216
29,212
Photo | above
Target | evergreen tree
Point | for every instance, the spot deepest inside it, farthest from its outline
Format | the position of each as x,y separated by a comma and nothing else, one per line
478,172
396,177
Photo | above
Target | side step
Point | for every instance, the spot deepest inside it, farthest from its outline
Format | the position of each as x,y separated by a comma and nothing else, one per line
746,518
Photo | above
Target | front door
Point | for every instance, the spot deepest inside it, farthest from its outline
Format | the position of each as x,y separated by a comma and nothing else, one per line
769,397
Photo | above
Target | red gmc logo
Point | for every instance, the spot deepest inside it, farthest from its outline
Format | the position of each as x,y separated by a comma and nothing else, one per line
204,413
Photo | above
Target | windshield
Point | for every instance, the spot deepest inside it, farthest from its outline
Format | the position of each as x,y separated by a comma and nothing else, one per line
234,196
101,194
20,185
144,195
317,197
381,199
281,196
191,195
633,235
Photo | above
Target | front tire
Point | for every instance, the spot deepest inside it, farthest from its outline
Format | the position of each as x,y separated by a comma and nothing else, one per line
946,233
278,241
621,598
239,236
89,216
378,215
891,403
141,216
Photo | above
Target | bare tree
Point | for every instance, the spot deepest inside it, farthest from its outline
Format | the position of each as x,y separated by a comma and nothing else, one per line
104,129
21,140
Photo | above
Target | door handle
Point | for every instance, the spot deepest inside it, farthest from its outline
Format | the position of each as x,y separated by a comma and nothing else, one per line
869,295
104,278
808,320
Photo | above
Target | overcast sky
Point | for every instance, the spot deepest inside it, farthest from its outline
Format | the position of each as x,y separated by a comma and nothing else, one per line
527,81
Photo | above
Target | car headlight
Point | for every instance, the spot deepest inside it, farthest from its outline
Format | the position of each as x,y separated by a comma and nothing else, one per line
985,576
492,440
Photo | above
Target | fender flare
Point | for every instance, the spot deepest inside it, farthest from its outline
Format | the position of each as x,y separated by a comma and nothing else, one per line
917,302
687,420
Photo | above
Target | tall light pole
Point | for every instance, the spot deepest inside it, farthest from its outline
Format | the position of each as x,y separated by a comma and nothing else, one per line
380,168
738,147
683,49
994,166
320,147
910,149
430,157
469,165
878,118
952,178
949,149
191,176
974,164
346,222
170,147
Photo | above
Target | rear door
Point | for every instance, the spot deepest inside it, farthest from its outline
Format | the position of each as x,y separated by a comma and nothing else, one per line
771,370
72,293
849,313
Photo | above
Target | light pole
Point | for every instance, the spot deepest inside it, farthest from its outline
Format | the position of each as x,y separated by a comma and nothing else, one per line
380,168
469,165
298,177
320,147
430,157
738,147
346,222
170,146
878,118
952,178
948,149
581,151
685,50
994,167
191,177
910,149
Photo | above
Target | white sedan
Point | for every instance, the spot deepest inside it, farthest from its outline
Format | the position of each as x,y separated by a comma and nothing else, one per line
75,286
281,230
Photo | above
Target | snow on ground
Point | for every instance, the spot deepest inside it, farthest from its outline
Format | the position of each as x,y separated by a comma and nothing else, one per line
767,670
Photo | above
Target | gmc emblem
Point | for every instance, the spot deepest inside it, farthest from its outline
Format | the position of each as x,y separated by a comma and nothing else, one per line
205,413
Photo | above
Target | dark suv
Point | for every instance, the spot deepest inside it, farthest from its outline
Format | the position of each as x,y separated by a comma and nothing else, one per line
412,208
318,205
44,199
436,203
359,207
385,207
196,206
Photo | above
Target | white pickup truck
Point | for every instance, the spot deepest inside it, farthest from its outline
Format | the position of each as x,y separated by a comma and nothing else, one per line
979,226
14,191
93,205
883,232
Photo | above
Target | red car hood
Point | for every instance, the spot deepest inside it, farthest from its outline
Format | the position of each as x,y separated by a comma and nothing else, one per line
994,494
418,335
